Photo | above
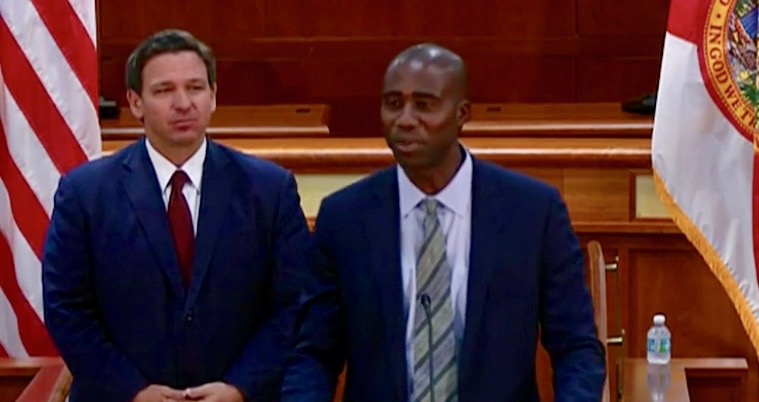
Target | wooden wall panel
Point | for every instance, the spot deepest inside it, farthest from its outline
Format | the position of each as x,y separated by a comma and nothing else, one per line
664,273
634,18
597,195
289,51
616,78
430,18
553,177
133,20
679,284
522,78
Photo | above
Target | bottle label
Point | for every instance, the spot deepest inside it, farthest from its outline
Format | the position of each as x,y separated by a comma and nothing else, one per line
651,345
664,345
658,345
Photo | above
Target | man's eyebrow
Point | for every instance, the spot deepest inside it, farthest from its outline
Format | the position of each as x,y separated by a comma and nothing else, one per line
425,95
415,94
161,84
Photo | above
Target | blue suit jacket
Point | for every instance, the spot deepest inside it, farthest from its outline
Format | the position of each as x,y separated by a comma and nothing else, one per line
114,301
525,278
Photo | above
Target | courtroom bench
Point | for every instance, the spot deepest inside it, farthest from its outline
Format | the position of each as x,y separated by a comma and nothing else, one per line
260,121
577,120
570,120
366,154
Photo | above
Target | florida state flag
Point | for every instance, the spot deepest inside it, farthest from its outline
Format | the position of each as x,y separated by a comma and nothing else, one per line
704,149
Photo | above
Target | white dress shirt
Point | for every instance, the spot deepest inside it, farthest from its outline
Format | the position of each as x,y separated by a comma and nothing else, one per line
454,213
193,167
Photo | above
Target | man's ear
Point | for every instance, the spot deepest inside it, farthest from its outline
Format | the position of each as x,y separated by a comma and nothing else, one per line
135,104
213,97
463,112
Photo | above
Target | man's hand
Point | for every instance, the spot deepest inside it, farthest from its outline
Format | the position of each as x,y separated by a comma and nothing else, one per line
214,392
159,393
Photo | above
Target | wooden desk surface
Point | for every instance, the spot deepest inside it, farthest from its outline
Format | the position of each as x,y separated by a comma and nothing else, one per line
557,120
575,120
25,367
635,385
240,122
361,154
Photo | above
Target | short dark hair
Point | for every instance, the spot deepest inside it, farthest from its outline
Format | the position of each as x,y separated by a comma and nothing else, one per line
166,41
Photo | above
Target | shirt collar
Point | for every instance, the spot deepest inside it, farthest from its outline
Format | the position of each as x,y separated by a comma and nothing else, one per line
164,169
455,196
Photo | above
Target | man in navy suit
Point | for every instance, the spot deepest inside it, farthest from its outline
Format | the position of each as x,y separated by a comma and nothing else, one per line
171,269
435,278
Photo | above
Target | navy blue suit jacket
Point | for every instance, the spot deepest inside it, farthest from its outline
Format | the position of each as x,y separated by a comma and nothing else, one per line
525,279
114,301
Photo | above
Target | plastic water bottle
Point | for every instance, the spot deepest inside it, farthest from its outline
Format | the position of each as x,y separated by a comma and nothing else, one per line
659,342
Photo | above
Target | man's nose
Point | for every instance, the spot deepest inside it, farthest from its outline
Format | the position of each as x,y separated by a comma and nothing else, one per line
182,100
407,118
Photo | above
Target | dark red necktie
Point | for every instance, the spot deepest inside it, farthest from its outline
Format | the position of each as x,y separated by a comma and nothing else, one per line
180,222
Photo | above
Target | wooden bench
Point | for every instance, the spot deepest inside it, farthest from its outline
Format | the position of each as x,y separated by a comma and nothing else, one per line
365,154
577,120
264,121
582,120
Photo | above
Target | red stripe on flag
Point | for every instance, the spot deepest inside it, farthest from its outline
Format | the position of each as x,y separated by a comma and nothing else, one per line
33,333
687,19
73,40
35,103
29,214
755,212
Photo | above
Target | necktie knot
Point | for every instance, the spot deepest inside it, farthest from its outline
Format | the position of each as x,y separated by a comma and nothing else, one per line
179,179
430,206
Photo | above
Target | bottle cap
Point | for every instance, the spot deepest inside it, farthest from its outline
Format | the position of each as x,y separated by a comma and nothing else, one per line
659,319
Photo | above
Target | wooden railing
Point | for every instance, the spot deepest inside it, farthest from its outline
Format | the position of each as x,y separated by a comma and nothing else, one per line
42,379
273,121
576,120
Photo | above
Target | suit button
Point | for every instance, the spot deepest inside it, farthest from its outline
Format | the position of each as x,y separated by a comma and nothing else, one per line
188,317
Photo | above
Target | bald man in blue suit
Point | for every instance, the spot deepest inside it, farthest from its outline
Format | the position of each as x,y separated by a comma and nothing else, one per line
512,268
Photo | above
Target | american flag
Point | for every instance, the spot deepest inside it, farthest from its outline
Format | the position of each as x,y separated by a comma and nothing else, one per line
48,111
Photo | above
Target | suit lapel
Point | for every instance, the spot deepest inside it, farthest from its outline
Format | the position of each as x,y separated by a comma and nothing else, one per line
383,235
215,196
141,185
485,252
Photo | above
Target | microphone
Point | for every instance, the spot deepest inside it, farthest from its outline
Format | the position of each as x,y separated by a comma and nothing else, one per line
424,298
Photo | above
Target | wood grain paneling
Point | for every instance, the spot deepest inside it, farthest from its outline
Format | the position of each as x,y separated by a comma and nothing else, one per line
431,18
656,278
15,375
362,155
522,78
616,78
289,51
554,177
135,19
604,17
597,195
